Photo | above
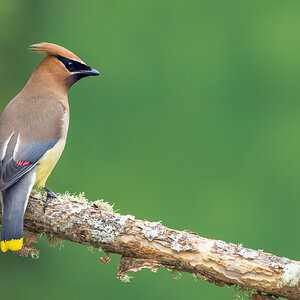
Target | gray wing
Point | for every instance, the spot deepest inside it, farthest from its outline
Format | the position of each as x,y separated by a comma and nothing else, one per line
13,167
27,132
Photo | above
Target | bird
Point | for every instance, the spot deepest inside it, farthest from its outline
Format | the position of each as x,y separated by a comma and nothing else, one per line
33,132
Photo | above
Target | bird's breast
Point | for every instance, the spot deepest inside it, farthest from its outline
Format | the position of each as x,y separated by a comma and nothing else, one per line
50,158
48,162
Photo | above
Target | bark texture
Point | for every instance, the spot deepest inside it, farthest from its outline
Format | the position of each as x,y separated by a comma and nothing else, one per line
145,244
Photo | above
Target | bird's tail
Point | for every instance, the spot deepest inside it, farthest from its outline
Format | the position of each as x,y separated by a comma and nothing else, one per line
12,221
14,202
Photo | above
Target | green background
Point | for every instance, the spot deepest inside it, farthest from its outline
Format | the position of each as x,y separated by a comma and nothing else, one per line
195,121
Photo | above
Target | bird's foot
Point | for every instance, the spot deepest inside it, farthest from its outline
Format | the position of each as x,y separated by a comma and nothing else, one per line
50,196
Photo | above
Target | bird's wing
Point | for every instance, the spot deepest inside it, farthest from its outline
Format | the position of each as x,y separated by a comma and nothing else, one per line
13,168
26,134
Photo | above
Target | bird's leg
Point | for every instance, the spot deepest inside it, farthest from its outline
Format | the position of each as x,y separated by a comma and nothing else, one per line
50,195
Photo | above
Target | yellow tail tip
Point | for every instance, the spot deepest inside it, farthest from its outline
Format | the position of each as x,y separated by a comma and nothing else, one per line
13,245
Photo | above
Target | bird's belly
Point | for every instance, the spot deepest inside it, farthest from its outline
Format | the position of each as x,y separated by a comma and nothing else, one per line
48,162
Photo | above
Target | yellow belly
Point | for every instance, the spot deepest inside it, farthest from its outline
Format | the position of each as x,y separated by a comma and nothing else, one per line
47,163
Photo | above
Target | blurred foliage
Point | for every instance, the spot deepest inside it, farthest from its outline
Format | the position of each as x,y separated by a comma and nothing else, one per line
194,121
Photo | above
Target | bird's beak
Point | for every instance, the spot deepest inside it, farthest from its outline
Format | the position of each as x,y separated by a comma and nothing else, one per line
91,72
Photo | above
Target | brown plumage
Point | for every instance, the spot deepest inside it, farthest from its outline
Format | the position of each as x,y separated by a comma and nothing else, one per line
33,131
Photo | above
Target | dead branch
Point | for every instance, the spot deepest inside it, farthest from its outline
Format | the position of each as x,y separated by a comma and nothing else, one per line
145,244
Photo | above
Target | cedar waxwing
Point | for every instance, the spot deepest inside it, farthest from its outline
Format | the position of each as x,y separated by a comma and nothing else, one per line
33,132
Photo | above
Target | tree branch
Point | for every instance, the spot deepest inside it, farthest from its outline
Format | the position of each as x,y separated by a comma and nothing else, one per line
153,245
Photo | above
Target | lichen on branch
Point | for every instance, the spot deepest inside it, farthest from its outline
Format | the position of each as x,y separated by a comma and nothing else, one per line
144,244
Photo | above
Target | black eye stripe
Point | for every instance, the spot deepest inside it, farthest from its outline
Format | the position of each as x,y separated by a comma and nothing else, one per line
72,65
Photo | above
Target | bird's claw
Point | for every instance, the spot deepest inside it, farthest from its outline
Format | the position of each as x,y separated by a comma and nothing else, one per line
50,196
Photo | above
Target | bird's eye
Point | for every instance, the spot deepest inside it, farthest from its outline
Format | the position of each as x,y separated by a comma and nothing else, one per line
70,66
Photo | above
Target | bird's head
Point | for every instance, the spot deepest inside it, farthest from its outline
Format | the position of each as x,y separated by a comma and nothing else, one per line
61,65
